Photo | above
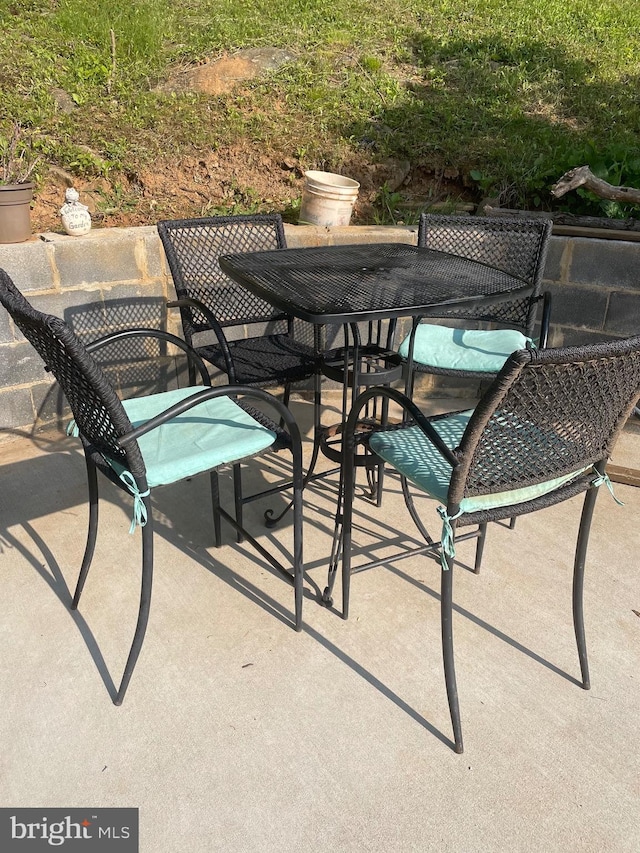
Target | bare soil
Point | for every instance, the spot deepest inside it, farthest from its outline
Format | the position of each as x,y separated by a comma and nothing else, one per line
237,179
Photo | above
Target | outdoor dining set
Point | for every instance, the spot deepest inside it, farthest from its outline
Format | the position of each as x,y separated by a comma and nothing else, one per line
466,301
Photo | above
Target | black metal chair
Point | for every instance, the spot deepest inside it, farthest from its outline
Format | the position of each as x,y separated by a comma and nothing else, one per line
516,246
157,439
211,302
542,433
212,305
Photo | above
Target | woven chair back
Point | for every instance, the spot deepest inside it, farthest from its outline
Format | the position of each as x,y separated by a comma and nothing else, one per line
548,413
516,246
97,410
193,246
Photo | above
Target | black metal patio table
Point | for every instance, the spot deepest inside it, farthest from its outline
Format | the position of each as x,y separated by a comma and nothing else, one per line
353,283
349,284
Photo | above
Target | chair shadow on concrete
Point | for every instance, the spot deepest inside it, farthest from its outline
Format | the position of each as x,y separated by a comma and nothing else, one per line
182,517
140,369
385,537
183,520
190,431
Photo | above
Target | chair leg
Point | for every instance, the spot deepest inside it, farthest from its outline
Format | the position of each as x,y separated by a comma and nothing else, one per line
345,518
145,603
413,512
336,553
341,546
237,494
380,477
92,481
215,503
578,582
379,484
482,535
286,396
446,615
191,372
298,564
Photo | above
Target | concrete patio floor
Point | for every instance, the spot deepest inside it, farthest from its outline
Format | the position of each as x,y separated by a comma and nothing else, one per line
237,734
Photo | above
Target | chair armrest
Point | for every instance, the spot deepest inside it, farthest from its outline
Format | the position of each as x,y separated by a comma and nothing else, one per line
189,302
153,333
546,319
408,406
282,413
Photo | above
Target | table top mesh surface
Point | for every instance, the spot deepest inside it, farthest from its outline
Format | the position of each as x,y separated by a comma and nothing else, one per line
349,283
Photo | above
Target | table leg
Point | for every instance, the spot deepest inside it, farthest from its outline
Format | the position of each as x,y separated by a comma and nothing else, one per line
270,519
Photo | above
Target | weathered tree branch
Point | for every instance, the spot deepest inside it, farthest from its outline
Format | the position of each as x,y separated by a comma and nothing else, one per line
582,176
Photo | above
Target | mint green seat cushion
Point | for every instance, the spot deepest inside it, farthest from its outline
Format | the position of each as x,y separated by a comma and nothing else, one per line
210,434
411,453
480,350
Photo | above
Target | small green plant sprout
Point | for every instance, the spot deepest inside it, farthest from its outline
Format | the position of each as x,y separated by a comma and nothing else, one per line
484,182
17,160
387,203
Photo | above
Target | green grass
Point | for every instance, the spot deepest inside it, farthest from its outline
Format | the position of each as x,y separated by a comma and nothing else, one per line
509,93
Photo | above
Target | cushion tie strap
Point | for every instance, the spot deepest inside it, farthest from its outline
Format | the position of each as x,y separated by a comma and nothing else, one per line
604,478
447,545
139,516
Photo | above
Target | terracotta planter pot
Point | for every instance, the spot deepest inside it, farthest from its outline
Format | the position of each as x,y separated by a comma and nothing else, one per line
15,209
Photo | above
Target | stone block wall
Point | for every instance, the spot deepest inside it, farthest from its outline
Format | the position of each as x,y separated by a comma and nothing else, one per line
595,286
118,277
93,277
